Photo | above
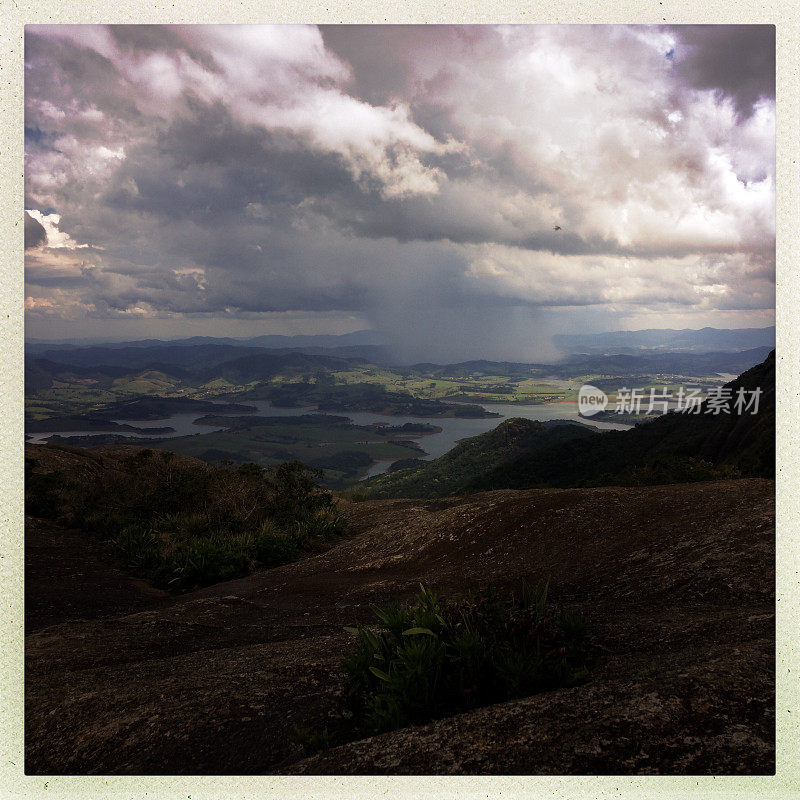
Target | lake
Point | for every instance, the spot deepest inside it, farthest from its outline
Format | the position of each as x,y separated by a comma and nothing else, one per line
434,444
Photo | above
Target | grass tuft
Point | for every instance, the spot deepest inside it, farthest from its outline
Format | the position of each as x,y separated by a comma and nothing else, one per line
439,657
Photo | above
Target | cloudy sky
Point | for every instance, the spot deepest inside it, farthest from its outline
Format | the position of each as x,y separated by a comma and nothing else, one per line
468,191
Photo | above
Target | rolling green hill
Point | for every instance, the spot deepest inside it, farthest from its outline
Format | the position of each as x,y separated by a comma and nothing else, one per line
470,458
672,448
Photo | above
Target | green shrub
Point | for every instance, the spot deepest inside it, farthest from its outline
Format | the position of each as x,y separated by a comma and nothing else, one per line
138,547
323,525
273,548
677,470
355,495
185,523
438,657
191,525
296,495
204,561
41,491
312,741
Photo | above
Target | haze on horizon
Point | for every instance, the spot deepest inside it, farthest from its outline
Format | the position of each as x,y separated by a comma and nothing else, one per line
466,191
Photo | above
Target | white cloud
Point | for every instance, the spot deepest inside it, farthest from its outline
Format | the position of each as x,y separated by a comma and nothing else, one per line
56,239
279,78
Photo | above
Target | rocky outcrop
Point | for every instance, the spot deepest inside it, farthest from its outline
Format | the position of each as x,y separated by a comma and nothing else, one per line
677,581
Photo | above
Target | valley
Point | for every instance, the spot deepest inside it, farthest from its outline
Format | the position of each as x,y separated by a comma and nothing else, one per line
161,396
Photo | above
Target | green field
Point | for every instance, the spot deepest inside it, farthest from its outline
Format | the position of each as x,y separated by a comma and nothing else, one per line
346,387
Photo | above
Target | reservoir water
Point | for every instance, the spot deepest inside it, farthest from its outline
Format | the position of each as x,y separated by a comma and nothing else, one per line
434,444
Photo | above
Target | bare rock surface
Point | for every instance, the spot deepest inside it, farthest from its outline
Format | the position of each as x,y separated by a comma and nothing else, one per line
72,575
677,582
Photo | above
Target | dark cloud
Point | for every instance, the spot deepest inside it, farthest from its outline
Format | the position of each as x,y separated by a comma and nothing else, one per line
736,60
414,176
391,61
35,234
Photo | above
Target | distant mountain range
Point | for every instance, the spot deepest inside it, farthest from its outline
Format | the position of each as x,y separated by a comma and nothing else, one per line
649,361
268,342
667,340
654,346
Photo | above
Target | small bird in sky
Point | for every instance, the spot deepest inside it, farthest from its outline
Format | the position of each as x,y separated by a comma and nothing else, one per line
556,227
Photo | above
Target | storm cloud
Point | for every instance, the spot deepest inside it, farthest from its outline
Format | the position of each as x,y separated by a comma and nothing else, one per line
435,182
